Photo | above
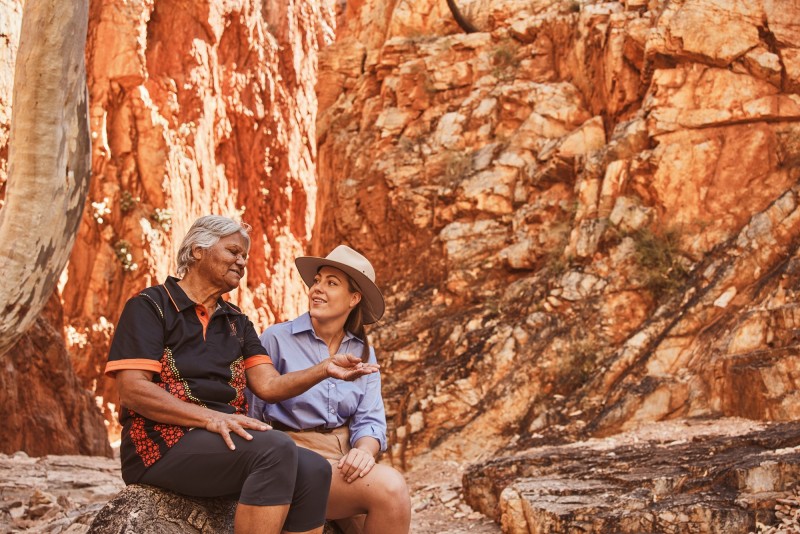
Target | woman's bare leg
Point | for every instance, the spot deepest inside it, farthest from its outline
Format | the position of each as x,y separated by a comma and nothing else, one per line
251,519
382,495
263,520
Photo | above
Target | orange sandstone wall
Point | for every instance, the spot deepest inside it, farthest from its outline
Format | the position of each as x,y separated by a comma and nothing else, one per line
197,107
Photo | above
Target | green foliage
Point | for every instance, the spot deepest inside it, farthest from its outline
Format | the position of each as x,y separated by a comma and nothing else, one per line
163,217
127,201
457,166
659,258
505,60
577,362
122,249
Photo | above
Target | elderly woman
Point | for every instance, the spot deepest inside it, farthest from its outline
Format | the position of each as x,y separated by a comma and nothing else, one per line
182,357
343,421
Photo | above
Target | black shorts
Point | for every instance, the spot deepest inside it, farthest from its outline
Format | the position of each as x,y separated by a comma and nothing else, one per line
268,470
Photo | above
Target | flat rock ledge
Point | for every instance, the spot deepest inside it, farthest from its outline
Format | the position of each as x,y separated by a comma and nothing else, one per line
142,509
730,476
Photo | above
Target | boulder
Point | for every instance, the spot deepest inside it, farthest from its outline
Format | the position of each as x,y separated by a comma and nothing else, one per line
143,509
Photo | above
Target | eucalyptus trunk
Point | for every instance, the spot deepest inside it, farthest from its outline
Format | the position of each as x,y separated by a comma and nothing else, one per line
49,160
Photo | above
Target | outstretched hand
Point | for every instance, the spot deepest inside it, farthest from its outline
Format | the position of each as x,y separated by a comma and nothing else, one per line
349,367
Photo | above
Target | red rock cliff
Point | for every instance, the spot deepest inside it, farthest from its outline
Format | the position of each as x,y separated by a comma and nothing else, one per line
584,216
196,108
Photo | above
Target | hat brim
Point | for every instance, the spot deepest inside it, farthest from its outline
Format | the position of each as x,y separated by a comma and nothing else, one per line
308,266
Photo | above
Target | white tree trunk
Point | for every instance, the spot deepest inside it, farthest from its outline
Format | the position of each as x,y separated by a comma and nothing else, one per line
49,160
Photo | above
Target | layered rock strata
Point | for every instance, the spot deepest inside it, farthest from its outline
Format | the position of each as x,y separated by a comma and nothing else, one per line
712,476
585,217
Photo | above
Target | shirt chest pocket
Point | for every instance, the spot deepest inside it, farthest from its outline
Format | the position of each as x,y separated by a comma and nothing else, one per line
349,397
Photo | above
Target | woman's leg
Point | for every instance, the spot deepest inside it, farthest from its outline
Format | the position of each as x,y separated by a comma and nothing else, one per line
382,495
262,472
311,489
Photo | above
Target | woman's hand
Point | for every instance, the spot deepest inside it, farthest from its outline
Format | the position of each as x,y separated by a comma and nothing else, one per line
348,367
138,393
355,464
224,423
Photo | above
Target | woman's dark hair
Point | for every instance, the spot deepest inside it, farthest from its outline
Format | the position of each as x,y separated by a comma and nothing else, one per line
355,321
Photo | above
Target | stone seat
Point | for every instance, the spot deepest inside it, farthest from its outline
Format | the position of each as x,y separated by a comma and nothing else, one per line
142,509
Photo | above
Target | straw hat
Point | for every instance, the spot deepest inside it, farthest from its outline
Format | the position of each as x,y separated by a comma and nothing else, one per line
356,267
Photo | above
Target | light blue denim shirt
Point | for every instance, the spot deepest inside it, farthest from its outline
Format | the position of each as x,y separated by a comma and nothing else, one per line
293,346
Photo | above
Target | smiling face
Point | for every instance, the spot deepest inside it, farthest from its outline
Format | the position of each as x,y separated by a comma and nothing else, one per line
329,297
223,264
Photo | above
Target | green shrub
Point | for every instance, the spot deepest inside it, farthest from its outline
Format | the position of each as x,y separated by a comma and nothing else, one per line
659,258
122,249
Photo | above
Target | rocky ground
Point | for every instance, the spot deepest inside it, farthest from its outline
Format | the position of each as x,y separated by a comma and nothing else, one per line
62,494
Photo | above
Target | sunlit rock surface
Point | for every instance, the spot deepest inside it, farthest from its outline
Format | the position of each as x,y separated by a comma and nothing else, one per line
584,218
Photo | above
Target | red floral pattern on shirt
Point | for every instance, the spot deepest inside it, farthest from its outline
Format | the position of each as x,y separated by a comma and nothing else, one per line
238,382
148,436
146,448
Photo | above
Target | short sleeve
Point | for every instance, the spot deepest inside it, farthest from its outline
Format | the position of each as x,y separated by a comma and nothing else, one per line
138,339
252,350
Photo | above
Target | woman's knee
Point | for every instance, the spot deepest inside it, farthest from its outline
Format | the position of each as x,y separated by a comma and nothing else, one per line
271,448
394,484
387,488
271,469
313,467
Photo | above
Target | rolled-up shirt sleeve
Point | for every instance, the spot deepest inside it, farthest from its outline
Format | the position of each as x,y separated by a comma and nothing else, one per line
138,339
370,416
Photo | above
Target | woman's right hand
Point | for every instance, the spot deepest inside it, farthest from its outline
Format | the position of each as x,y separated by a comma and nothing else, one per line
348,367
225,423
137,392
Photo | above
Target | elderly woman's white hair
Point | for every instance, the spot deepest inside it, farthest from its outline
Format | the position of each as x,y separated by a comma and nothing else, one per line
205,233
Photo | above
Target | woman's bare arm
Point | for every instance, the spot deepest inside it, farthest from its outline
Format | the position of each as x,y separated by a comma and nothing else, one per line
138,393
268,384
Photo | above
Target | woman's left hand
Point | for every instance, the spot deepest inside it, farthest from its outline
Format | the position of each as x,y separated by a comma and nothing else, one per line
355,464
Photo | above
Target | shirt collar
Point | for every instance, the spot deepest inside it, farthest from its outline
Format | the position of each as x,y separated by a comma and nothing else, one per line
303,324
181,300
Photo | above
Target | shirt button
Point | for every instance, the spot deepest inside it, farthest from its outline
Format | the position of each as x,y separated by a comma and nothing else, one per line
333,411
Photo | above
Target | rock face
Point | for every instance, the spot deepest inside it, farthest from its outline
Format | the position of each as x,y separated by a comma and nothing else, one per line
67,494
195,108
202,107
674,477
55,493
594,213
43,404
584,218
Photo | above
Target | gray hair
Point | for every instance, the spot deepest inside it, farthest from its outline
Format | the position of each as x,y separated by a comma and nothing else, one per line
205,233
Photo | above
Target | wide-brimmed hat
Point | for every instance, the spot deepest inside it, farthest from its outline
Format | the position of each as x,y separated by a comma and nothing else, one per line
356,267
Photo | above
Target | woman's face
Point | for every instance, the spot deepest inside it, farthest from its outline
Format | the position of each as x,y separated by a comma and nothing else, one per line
223,264
329,297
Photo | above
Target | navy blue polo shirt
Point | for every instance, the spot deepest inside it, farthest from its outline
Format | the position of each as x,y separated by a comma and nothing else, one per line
197,357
